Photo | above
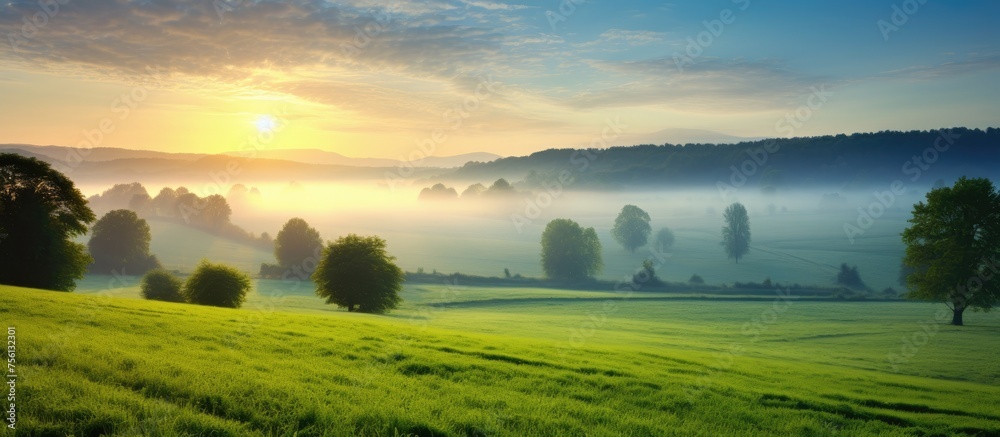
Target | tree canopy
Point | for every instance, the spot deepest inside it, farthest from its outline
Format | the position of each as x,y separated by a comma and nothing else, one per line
953,247
570,252
501,187
849,277
632,228
119,244
473,191
117,197
664,238
358,274
296,242
736,232
40,212
217,285
438,192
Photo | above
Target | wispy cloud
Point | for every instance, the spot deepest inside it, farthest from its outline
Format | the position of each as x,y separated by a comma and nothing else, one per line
711,85
632,37
494,6
973,63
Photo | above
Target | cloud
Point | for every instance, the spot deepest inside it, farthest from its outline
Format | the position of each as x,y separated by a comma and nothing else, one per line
709,85
973,63
394,59
194,38
494,6
632,37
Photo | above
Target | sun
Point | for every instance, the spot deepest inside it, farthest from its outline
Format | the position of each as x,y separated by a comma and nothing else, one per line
266,123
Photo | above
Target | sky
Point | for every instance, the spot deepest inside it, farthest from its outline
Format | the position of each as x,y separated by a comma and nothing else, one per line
395,79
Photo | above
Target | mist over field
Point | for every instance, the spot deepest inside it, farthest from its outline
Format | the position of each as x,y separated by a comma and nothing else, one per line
800,236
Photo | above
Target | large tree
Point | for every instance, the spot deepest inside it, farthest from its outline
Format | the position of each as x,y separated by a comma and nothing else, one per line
358,274
736,233
632,228
40,212
570,252
296,242
953,247
119,243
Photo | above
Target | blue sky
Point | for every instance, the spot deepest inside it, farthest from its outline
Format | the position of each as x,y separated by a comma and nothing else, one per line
547,73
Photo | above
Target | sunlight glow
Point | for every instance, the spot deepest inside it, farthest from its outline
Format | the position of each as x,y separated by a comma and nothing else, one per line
266,123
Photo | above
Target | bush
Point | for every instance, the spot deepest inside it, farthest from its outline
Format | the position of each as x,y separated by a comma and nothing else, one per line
271,271
695,279
646,275
217,285
159,284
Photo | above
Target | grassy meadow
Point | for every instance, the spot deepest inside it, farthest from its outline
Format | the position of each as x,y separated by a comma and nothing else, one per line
461,360
469,361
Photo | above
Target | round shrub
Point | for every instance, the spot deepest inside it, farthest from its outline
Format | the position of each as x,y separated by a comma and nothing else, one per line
217,285
159,284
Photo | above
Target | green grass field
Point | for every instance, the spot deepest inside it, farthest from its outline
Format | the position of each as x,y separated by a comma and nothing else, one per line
468,361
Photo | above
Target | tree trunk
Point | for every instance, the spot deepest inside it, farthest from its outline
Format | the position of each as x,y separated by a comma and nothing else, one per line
956,317
350,308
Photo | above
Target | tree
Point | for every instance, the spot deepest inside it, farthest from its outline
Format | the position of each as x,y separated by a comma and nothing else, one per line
117,197
632,228
850,278
953,247
141,204
646,275
159,284
357,273
164,204
473,191
500,188
40,212
187,206
438,192
664,239
570,252
736,233
217,285
215,212
119,244
297,242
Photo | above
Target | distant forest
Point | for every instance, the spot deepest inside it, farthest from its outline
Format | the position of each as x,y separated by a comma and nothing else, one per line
846,161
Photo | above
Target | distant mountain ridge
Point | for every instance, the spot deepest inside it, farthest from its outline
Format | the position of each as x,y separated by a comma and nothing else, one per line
316,156
855,160
846,161
305,156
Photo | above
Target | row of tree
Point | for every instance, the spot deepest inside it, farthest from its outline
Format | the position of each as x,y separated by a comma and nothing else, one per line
501,189
571,252
211,213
